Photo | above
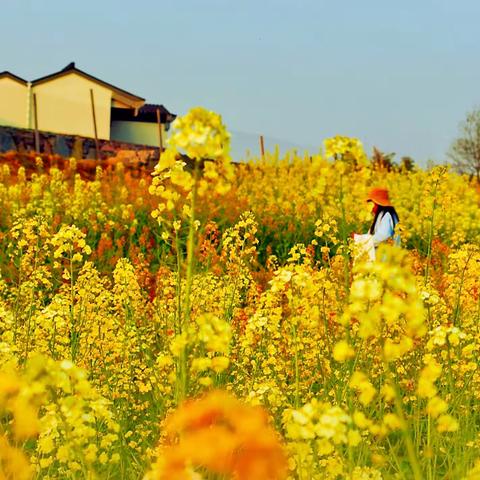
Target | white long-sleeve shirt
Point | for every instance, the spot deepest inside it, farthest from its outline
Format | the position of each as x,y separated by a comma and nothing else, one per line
384,228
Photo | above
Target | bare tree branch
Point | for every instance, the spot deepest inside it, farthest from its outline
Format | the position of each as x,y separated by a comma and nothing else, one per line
465,150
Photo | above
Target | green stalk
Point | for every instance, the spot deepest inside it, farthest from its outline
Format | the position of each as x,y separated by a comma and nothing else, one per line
179,284
16,307
190,248
458,302
29,319
74,341
429,447
297,371
343,230
412,456
187,306
430,234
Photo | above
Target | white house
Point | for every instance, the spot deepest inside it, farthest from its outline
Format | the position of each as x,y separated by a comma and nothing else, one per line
73,102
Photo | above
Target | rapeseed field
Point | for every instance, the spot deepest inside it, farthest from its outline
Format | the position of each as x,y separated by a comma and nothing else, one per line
215,321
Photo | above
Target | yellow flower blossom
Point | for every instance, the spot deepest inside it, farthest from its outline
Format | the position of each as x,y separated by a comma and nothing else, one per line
342,351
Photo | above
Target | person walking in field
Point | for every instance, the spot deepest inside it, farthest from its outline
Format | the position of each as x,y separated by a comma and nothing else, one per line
385,219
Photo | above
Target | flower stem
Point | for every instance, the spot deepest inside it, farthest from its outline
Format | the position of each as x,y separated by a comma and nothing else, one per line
187,306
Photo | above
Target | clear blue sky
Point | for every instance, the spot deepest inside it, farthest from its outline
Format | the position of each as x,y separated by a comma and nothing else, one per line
398,75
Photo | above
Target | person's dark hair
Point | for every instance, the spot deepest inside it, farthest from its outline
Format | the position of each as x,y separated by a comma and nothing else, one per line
384,210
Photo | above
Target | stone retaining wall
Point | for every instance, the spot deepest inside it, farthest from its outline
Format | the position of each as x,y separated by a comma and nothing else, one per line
23,141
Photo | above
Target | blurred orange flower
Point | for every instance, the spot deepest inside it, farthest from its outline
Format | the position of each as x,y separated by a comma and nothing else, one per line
224,436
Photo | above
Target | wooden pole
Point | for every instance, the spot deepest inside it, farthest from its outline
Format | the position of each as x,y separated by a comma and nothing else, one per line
35,120
160,134
262,147
94,124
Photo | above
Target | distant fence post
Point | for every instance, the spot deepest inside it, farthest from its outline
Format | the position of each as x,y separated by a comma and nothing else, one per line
160,134
35,120
262,147
94,124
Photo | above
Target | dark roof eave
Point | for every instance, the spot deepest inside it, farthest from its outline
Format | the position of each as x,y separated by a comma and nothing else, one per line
147,113
11,75
144,119
151,107
63,72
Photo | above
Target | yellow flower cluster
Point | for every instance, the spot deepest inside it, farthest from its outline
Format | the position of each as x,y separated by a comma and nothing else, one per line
317,433
345,148
205,140
200,134
385,304
73,427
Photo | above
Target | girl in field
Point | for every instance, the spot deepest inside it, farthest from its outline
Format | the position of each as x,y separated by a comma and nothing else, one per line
383,226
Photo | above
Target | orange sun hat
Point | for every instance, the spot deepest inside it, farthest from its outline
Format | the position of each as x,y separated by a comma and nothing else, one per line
379,196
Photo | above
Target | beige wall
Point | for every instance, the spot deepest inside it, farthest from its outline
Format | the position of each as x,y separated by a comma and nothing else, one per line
142,133
13,103
64,106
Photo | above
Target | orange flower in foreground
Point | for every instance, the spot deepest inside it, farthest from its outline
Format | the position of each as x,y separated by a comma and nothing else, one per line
222,435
